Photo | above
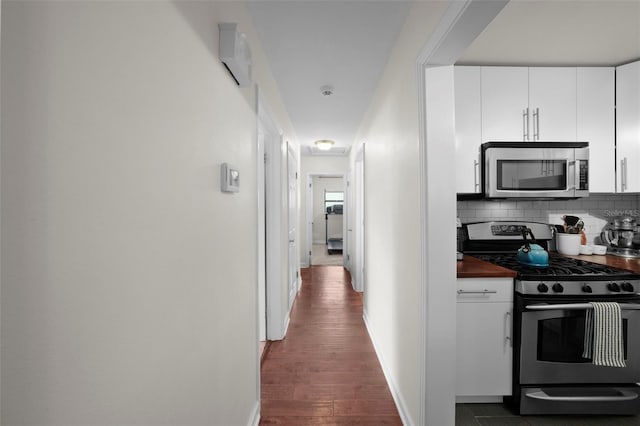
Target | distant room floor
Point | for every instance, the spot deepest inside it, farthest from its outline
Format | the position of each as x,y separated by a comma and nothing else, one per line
319,256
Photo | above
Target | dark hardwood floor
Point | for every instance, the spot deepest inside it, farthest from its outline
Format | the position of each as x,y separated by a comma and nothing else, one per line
325,372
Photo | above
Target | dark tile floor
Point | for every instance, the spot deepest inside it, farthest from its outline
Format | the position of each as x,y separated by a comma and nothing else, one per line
501,415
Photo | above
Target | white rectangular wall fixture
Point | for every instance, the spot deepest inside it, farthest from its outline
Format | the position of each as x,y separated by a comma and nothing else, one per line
229,178
235,53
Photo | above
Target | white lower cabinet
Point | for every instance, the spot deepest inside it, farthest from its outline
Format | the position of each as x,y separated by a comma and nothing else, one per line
484,339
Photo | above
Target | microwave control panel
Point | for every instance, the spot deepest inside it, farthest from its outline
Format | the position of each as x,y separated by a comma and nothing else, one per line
583,183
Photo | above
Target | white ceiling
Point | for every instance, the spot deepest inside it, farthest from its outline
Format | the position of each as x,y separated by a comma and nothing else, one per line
555,32
314,43
346,44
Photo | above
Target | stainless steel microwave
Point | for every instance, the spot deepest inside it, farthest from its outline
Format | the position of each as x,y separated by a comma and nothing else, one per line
535,170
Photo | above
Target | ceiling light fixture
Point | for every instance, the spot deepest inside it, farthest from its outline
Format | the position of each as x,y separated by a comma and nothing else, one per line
324,144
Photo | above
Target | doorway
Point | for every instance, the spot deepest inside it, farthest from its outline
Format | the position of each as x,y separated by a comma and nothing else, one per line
325,219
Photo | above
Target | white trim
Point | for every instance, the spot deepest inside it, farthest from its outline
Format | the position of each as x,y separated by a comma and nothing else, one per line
273,143
254,420
462,22
262,123
309,213
397,397
285,324
358,235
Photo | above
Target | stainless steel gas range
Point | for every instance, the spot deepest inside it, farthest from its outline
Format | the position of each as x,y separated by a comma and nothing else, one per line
552,373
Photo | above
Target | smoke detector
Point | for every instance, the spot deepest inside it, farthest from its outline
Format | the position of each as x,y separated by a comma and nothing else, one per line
326,90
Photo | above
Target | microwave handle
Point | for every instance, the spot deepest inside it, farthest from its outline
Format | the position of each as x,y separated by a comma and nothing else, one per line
572,178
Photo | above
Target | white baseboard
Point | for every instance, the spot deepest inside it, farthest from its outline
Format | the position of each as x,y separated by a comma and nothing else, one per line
397,397
304,264
255,416
285,326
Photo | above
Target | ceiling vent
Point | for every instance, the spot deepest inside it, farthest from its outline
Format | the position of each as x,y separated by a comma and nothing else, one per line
234,52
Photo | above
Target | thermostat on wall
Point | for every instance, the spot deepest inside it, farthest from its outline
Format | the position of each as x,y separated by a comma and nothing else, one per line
229,178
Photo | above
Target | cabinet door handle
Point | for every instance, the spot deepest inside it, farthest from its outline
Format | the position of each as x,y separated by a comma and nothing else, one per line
536,124
509,328
476,184
525,124
623,174
485,291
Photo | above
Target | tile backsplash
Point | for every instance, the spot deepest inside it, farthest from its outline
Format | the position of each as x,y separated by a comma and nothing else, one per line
595,210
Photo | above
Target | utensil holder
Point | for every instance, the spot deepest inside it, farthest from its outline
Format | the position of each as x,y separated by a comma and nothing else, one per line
568,243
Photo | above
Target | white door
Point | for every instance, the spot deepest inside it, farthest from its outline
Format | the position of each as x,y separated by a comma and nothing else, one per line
292,182
309,217
358,225
262,267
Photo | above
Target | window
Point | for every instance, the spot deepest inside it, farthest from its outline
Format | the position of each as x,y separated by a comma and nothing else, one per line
331,199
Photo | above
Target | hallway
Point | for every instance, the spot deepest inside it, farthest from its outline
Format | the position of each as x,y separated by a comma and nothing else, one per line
325,372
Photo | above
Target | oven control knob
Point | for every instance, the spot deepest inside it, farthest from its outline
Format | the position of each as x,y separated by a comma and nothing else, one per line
614,287
543,288
627,287
557,287
587,289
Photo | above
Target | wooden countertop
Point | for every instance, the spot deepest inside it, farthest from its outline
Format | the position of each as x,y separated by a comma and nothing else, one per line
472,267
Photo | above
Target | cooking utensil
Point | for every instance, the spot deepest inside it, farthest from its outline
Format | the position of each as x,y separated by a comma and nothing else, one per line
570,220
532,253
572,224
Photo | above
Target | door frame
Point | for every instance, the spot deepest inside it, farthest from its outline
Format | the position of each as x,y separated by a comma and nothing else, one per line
293,215
309,212
460,25
356,243
269,174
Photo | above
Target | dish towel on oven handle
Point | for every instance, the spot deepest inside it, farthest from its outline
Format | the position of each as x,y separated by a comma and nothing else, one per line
603,335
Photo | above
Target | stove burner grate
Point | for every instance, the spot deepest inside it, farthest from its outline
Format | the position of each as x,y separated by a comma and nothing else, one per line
558,267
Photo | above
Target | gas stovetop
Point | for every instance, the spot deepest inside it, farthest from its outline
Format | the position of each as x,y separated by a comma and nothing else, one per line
559,267
567,277
498,242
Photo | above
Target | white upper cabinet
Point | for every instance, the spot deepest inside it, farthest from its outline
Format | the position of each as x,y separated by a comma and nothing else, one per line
468,128
505,95
628,127
528,104
552,104
596,124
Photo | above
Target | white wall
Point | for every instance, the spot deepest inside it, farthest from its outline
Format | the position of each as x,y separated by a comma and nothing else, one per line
124,301
392,227
315,165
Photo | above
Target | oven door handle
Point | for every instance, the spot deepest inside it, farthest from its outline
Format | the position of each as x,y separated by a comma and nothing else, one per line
578,306
625,396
